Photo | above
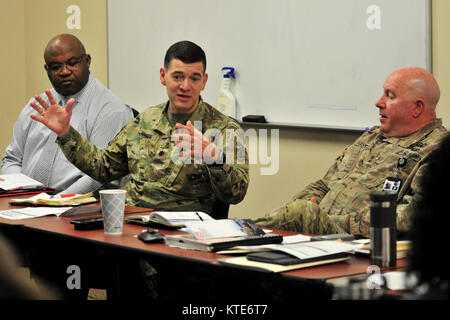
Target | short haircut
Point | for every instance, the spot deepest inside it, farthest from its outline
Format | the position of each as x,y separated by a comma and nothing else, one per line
187,52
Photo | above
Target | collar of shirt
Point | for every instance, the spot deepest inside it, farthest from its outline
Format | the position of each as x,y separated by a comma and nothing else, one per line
163,125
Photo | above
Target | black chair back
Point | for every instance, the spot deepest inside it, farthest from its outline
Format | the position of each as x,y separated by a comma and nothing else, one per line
220,210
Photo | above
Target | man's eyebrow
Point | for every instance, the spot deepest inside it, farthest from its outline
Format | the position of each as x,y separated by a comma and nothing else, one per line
176,72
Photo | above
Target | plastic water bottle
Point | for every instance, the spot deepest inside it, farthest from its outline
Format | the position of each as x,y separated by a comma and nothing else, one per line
226,101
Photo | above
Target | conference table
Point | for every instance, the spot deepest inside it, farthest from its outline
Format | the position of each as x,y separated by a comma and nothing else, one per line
307,283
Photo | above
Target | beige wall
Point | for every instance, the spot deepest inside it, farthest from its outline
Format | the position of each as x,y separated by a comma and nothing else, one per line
26,27
46,18
13,66
305,154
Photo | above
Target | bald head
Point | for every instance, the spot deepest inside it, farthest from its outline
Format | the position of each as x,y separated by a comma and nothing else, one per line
67,64
61,42
419,83
408,102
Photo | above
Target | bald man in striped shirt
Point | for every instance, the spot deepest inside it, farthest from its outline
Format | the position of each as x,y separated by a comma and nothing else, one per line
97,114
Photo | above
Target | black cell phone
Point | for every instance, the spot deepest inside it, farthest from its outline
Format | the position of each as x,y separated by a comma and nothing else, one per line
87,223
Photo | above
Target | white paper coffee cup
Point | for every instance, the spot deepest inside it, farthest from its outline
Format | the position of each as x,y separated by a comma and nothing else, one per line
113,207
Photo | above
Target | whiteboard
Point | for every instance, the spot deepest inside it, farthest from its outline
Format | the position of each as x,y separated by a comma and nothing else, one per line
313,63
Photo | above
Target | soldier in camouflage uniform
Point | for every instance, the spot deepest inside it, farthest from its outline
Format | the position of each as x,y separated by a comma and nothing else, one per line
144,148
399,148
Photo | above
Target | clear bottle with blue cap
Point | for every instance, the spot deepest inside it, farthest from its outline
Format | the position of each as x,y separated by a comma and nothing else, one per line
227,102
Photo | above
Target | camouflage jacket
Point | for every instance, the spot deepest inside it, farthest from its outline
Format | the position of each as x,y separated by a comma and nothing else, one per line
343,193
143,149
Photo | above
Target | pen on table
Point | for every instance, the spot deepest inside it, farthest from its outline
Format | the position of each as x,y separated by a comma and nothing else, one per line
198,215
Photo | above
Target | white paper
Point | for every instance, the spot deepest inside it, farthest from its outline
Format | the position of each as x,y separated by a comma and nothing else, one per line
175,216
296,239
215,229
32,212
17,181
315,249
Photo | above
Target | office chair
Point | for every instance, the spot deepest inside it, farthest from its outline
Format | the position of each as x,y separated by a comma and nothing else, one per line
220,210
135,112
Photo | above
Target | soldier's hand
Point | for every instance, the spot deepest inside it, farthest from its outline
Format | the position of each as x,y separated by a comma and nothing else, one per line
194,143
53,116
300,215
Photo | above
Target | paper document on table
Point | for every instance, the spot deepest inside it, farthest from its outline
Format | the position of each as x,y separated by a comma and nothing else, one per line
224,228
296,239
310,250
214,229
264,247
26,213
18,181
244,262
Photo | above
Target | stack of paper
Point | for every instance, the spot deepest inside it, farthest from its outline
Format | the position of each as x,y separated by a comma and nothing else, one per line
214,235
402,248
305,254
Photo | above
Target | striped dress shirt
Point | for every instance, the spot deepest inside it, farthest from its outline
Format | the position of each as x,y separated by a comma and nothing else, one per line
97,114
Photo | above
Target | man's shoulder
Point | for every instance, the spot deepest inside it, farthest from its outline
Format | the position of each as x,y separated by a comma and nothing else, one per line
214,118
150,116
369,135
153,111
109,98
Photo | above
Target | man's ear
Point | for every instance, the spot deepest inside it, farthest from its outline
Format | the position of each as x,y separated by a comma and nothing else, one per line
88,60
162,76
205,79
418,108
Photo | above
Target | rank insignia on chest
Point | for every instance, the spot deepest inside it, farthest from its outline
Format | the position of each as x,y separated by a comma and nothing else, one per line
392,184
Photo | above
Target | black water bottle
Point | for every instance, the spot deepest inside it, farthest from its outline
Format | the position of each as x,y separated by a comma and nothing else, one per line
383,231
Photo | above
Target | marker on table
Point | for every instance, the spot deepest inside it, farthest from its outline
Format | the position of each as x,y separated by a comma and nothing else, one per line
68,195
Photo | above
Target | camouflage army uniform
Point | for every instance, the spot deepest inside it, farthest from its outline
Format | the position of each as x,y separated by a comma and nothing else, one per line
343,193
143,149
